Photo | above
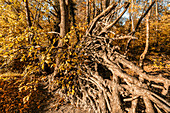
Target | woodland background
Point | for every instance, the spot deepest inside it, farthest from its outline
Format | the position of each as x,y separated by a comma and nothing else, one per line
37,38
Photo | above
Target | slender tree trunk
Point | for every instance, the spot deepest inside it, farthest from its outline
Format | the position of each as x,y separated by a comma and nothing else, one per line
133,28
67,3
28,13
130,26
101,6
63,19
142,57
87,12
94,8
28,19
63,28
157,21
105,4
97,11
56,26
131,17
130,20
72,10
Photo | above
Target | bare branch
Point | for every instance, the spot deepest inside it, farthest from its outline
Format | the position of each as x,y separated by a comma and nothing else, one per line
118,18
105,12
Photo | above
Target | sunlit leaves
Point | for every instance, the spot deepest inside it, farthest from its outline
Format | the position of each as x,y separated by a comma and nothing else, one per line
68,69
26,98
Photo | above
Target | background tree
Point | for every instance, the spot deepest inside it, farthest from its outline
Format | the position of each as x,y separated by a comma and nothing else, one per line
87,12
105,4
64,21
142,57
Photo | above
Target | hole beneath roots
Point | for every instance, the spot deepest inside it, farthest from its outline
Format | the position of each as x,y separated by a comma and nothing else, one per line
104,72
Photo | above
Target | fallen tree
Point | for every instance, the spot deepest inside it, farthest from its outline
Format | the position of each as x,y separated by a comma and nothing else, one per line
100,82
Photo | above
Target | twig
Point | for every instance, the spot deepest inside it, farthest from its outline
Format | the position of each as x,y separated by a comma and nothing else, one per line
130,99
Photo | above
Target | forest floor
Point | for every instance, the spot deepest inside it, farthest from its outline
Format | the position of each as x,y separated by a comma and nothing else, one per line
154,65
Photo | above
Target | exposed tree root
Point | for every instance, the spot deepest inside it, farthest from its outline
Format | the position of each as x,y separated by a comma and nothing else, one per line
108,95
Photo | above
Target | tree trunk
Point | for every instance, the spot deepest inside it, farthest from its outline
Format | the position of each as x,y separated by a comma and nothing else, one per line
130,20
97,11
105,4
142,57
101,6
157,21
131,17
63,28
133,28
72,11
87,12
67,3
94,8
64,17
28,19
28,13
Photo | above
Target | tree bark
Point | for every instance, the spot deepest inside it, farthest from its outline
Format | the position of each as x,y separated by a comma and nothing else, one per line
133,28
28,13
142,57
101,6
87,12
64,17
28,19
63,28
131,17
105,4
67,3
72,11
157,21
94,8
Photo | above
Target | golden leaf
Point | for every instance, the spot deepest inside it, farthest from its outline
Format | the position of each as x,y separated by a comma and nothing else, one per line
26,98
43,66
73,92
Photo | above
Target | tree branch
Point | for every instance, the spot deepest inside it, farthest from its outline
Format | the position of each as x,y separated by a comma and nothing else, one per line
137,25
104,13
114,22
